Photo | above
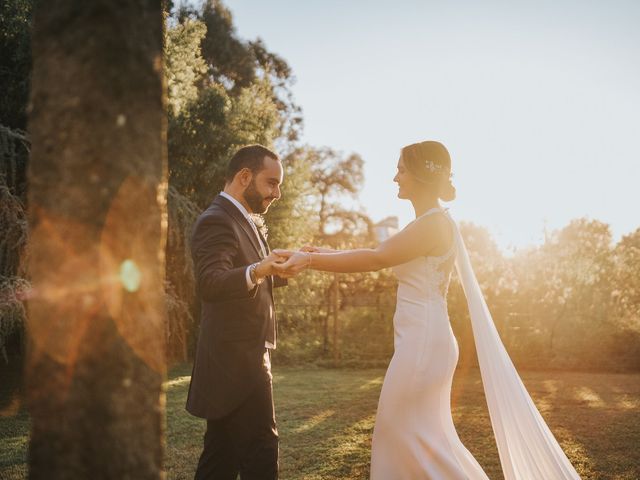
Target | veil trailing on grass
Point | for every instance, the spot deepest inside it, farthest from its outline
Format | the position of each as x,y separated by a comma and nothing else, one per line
528,450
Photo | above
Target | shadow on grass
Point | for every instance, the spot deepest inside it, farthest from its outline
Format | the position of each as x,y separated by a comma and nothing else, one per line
595,419
471,418
326,418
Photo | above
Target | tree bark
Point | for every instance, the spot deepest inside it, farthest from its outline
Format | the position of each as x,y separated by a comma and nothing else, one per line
336,319
97,214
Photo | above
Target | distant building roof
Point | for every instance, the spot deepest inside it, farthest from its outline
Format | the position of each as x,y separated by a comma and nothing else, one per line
389,222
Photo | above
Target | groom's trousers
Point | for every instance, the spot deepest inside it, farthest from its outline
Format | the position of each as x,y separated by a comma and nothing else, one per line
245,441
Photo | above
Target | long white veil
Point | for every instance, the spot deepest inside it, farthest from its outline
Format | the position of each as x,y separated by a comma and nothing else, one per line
528,450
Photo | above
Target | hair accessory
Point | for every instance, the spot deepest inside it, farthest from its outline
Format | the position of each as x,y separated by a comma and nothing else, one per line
433,167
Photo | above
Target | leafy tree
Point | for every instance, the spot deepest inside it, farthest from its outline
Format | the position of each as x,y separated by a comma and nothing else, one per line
15,61
237,64
562,288
224,92
624,346
579,278
13,239
206,133
492,272
332,177
185,68
15,74
291,219
626,291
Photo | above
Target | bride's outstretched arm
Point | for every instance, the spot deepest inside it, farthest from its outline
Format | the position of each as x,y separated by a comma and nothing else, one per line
312,249
341,261
422,237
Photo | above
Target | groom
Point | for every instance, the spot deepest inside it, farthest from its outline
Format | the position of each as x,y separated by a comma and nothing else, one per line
234,269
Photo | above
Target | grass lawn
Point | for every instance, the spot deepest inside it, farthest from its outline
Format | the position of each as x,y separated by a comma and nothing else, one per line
325,419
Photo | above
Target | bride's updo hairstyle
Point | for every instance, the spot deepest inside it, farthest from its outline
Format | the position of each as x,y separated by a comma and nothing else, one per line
429,162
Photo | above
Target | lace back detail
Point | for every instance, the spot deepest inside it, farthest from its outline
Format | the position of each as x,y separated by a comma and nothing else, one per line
439,268
439,273
428,277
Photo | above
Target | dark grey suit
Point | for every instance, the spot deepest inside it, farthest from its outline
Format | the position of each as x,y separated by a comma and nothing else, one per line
231,378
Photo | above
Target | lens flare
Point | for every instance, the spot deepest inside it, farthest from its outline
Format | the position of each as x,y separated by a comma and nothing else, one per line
130,276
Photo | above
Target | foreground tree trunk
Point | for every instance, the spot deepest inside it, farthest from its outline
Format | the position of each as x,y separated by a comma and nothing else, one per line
97,212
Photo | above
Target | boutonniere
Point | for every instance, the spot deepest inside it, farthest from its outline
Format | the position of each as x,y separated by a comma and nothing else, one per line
260,224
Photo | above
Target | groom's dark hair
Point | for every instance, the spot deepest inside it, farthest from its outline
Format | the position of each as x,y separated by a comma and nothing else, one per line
249,156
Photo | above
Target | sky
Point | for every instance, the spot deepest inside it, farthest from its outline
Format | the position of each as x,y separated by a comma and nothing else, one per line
537,102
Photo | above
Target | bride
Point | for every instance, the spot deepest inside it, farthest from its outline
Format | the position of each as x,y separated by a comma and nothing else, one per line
414,436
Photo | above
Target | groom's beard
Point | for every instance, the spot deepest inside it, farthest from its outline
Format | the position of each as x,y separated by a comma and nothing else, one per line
255,200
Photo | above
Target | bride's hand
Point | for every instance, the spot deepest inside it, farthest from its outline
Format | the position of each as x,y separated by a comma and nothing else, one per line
295,263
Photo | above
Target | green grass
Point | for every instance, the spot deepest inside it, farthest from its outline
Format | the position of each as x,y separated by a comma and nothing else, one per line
14,429
325,419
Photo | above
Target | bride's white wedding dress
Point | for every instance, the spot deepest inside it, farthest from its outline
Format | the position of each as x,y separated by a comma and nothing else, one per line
414,435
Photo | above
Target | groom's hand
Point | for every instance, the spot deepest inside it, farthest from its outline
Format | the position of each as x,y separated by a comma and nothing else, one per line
267,265
284,256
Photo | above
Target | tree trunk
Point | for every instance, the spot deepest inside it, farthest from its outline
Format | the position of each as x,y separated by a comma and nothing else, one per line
325,332
336,319
97,213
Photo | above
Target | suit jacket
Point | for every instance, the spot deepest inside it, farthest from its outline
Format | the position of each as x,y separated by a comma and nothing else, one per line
234,321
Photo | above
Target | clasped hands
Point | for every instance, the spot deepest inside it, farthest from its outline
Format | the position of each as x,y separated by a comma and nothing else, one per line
288,263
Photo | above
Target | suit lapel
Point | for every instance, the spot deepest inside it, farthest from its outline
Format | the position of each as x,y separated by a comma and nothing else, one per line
264,242
237,215
268,250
